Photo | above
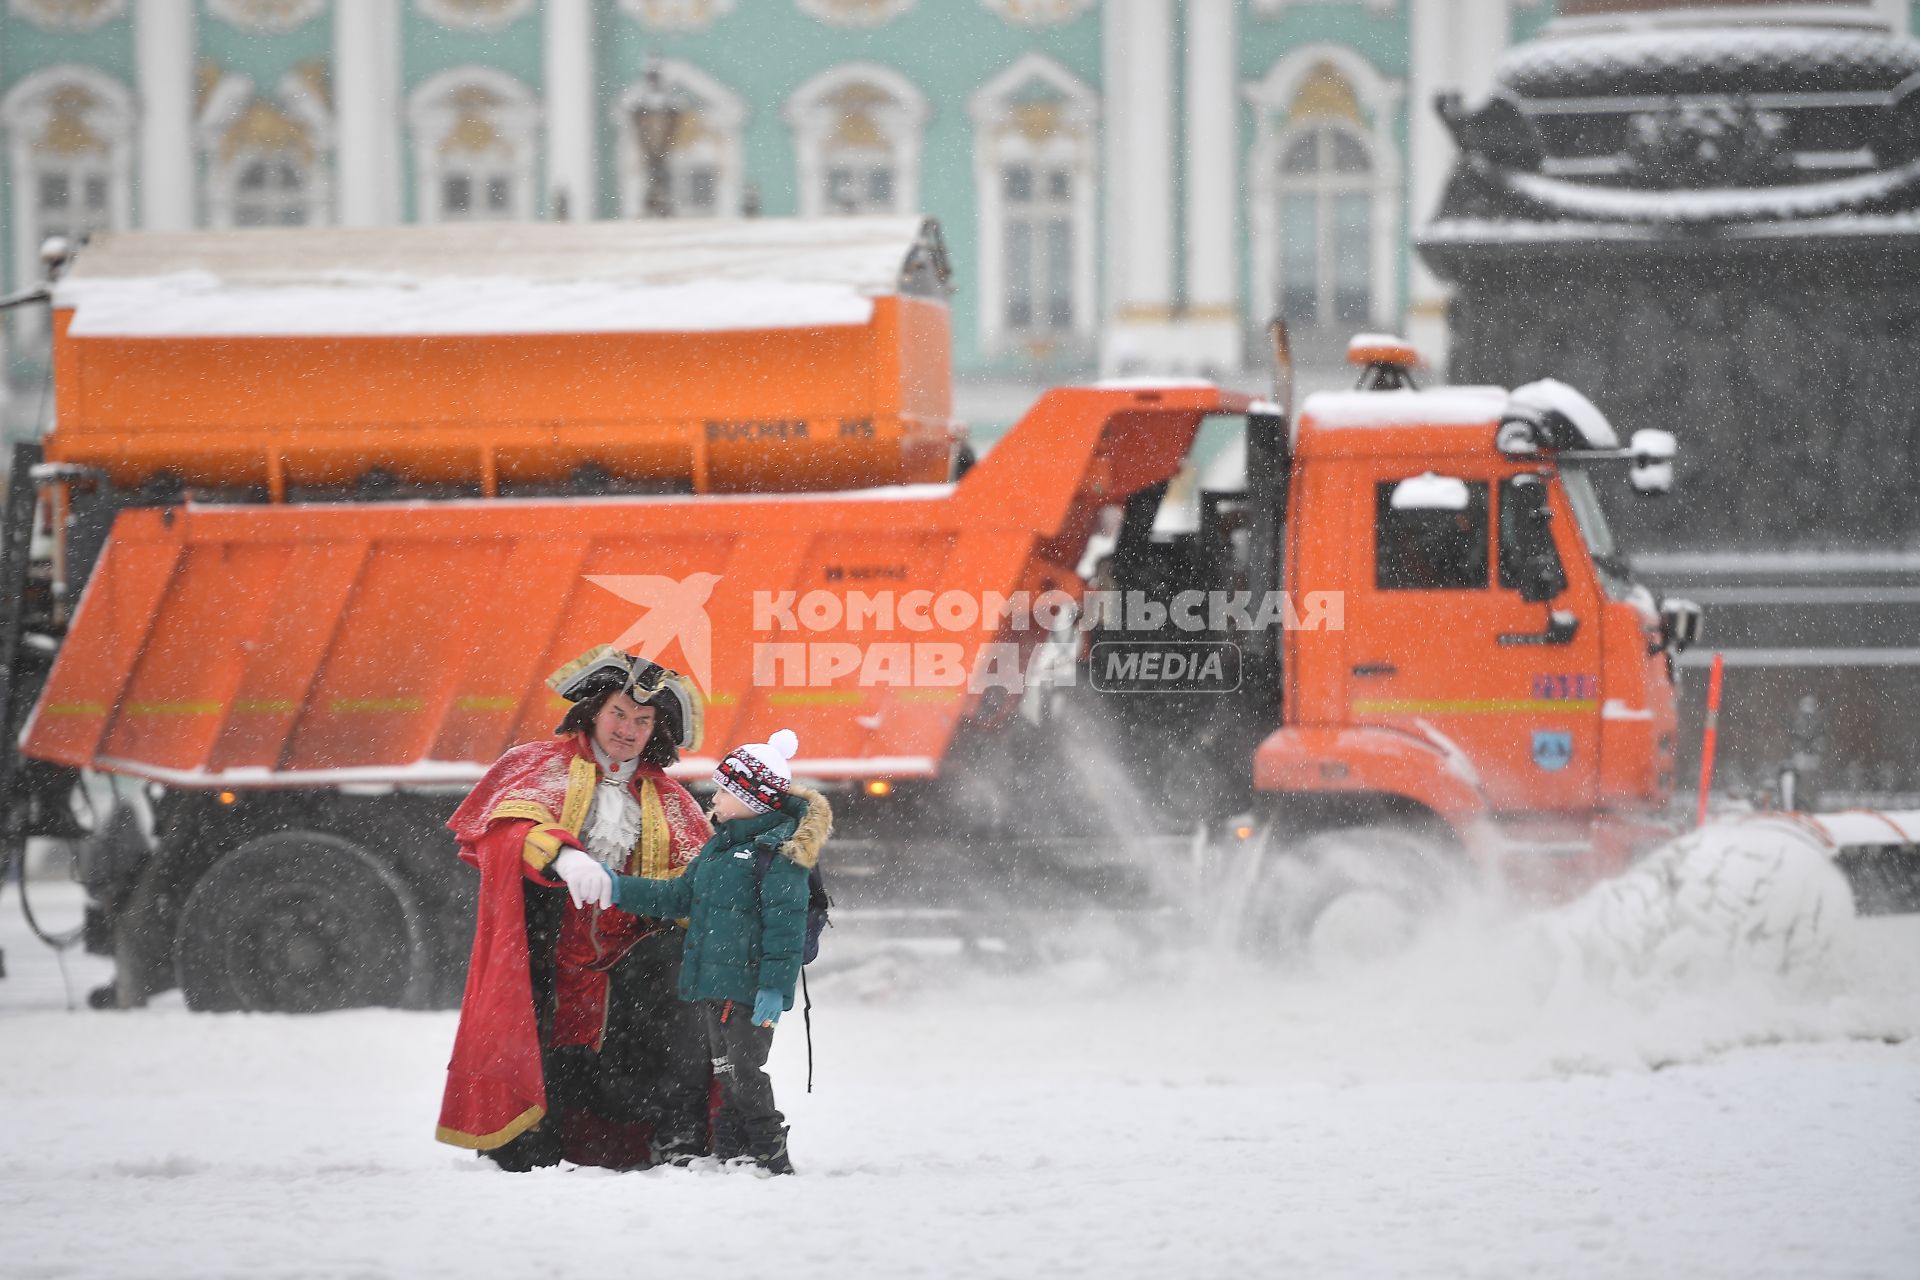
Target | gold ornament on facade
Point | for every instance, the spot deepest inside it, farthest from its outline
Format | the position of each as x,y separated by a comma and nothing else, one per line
265,127
858,128
1038,13
676,15
68,131
68,15
856,13
317,75
206,78
267,15
474,132
1326,94
483,14
691,130
1038,121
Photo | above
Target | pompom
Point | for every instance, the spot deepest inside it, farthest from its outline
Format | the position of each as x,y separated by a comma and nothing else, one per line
785,742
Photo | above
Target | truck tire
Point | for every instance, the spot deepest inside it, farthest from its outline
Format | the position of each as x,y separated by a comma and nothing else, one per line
1348,896
300,922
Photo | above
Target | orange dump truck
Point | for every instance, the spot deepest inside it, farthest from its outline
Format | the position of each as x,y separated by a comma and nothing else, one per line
326,516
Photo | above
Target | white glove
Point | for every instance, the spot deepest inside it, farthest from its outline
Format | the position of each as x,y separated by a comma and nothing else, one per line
587,881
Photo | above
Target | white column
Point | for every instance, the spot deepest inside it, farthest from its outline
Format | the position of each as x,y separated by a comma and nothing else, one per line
569,76
1212,192
1455,45
163,62
1138,58
1116,110
366,76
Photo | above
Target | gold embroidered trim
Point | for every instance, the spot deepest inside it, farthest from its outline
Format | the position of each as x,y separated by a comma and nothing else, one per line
654,858
498,1138
582,777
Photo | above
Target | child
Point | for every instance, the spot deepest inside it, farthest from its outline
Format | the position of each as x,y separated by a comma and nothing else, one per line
746,931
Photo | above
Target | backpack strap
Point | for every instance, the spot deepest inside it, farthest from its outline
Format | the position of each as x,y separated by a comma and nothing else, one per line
806,1016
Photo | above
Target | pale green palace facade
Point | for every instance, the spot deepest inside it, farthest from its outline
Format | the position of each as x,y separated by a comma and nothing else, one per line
1124,185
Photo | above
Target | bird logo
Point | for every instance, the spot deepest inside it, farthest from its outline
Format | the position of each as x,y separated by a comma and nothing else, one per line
675,609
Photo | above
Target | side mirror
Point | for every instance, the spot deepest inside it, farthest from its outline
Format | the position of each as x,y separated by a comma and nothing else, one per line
1517,437
1680,623
1653,453
1527,528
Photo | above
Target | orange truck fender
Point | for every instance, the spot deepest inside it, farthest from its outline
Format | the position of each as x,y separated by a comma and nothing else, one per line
1371,760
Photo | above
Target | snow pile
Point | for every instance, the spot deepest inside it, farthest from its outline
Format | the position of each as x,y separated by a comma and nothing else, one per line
1750,896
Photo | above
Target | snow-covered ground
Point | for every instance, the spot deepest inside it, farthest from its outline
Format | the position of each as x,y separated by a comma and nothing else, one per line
1461,1112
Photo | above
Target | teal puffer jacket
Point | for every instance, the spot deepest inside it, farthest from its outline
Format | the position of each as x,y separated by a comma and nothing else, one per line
744,935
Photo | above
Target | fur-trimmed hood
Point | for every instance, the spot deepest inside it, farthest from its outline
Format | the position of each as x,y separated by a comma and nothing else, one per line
815,825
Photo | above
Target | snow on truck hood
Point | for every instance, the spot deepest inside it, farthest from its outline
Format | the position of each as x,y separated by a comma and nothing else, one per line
633,277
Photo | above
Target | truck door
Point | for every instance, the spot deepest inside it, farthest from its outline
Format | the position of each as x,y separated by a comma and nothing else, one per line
1440,642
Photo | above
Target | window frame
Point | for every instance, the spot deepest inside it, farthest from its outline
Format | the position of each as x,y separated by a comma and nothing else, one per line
26,112
722,116
899,112
1002,138
1377,98
436,110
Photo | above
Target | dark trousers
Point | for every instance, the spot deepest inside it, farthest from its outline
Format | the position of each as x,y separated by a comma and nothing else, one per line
748,1123
652,1067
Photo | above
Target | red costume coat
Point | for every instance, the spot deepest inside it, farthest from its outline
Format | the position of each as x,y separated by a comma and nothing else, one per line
495,1087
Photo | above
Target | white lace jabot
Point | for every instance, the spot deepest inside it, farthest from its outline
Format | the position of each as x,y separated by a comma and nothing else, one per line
612,828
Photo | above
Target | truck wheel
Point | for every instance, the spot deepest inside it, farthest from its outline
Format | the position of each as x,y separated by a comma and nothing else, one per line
1346,897
299,922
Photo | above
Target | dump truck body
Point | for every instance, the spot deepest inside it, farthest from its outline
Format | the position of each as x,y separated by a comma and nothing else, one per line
258,646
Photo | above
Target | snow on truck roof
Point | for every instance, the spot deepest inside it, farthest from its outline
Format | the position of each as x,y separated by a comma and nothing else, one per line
1462,406
666,276
1441,407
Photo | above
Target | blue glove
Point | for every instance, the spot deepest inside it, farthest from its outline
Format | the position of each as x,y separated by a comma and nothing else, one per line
767,1006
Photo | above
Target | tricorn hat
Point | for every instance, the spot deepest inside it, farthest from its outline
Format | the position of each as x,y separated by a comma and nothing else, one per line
604,667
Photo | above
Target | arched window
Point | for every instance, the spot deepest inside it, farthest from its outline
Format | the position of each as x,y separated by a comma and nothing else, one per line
69,151
267,159
700,121
857,132
1323,192
474,132
1325,189
1034,174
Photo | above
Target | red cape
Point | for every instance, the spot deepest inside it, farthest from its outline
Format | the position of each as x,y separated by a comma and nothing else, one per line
495,1086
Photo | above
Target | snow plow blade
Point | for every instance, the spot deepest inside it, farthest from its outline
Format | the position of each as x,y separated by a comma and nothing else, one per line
397,644
1879,853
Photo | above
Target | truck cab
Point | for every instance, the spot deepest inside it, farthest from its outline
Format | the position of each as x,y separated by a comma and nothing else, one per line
1496,667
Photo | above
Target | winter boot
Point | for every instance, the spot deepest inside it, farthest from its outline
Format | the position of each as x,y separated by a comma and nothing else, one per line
678,1149
729,1137
770,1157
538,1148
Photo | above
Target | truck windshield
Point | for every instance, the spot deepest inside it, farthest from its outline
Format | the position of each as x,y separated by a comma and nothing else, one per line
1592,519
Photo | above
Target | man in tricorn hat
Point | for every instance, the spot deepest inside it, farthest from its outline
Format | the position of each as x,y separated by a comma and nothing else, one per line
572,1044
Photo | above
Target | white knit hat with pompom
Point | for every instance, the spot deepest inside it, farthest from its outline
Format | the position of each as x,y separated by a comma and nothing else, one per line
759,774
